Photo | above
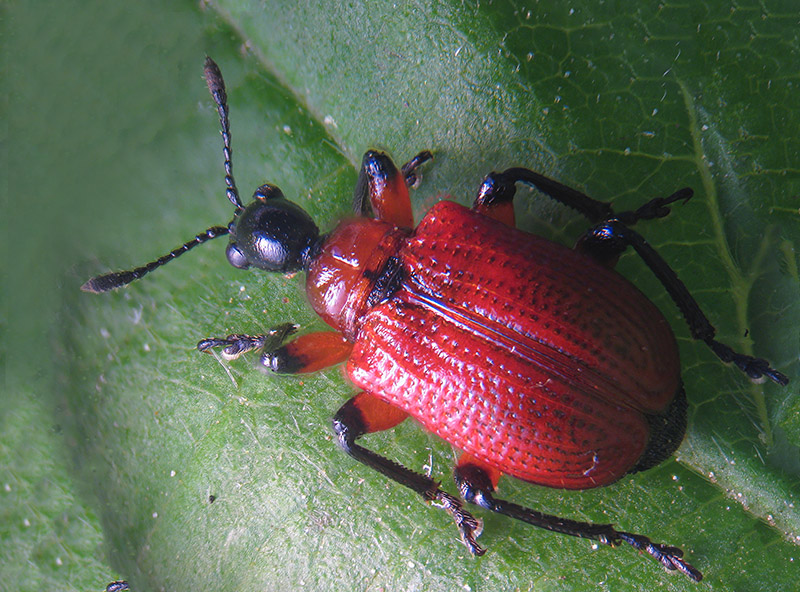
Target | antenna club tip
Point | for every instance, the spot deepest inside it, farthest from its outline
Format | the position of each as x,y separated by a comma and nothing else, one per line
91,287
213,78
110,281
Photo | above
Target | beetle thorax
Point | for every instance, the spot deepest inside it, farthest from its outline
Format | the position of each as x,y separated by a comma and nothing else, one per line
352,270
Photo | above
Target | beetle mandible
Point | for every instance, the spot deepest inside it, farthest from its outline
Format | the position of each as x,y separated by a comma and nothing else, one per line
534,360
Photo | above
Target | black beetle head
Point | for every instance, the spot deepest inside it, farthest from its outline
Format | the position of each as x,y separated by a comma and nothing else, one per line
271,233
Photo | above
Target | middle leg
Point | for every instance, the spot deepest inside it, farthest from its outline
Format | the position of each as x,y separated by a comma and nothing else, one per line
364,414
496,194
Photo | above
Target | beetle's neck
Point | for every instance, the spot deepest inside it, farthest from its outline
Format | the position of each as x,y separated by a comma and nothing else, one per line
354,269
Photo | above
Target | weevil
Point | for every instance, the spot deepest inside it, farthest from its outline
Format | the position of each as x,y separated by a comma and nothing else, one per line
534,360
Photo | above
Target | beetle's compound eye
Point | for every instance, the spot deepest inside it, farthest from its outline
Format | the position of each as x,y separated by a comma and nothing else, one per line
236,257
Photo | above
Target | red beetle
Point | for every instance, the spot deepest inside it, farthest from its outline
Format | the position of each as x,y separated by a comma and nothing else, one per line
536,361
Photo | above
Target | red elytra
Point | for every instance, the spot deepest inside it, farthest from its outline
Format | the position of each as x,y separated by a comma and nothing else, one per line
533,358
536,361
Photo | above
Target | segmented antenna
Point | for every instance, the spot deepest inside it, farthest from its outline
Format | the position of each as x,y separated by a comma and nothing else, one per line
110,281
216,85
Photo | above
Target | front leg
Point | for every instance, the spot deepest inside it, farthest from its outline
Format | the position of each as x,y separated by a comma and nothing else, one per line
236,344
307,353
382,189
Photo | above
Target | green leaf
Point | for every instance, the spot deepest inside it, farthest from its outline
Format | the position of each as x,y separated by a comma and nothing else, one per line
625,102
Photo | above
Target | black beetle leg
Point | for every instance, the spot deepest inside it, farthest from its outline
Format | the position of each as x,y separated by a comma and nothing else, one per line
655,208
364,414
612,237
409,169
308,353
236,344
476,488
499,188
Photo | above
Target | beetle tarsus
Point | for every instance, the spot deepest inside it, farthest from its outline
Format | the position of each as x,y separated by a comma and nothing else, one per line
670,557
409,169
469,526
757,369
655,208
236,344
233,345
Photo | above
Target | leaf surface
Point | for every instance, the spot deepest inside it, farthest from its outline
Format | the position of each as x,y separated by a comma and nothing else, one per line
624,102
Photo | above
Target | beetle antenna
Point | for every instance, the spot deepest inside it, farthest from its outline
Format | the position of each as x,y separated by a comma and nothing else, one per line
111,281
216,85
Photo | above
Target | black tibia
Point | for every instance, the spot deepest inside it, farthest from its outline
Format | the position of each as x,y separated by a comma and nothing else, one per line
476,488
501,187
612,236
349,425
235,345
